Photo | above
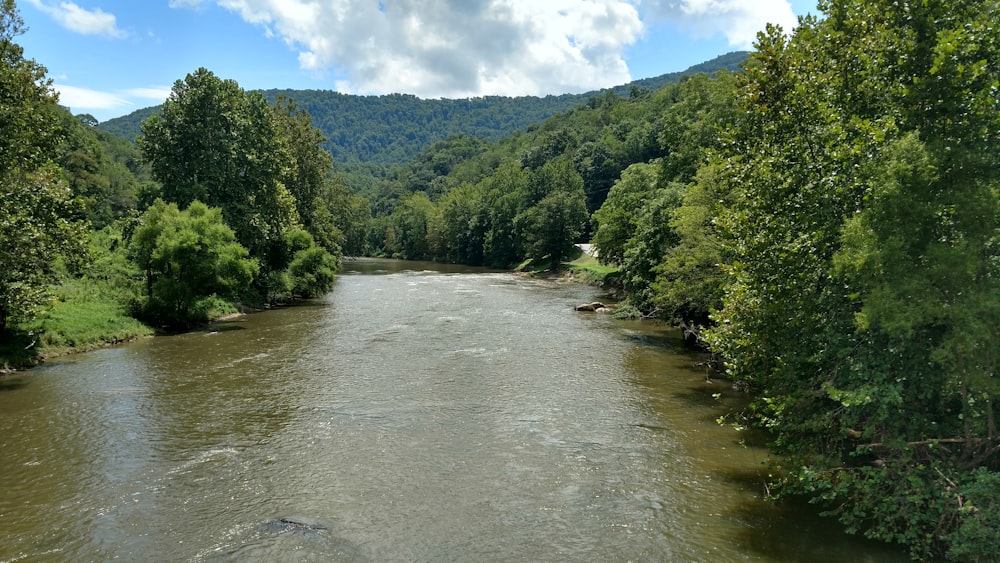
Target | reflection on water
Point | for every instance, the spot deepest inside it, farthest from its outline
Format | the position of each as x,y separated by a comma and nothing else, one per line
415,414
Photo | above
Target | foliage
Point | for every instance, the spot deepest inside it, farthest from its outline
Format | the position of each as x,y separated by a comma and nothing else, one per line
312,272
306,173
214,142
38,216
616,220
861,235
690,280
343,219
379,131
303,268
974,538
551,226
188,257
102,170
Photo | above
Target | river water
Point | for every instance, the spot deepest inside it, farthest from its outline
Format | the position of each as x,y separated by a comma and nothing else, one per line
412,415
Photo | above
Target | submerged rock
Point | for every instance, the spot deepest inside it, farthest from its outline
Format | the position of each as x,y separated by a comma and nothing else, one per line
295,524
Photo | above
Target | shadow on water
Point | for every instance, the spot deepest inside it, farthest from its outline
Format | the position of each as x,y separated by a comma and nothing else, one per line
11,383
643,333
787,529
18,348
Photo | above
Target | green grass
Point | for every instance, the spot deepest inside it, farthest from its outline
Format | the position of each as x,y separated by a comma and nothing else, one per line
581,267
85,315
586,268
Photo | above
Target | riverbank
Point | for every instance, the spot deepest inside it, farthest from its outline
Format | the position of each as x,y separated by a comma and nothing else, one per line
84,315
582,267
88,314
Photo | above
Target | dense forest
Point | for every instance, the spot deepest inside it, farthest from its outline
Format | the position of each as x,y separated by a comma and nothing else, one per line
825,221
366,135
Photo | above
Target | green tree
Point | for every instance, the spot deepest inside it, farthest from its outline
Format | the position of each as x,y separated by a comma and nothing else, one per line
615,222
309,167
551,226
634,228
107,188
38,215
505,197
463,222
863,234
312,272
346,213
690,281
696,123
412,219
218,144
653,238
189,257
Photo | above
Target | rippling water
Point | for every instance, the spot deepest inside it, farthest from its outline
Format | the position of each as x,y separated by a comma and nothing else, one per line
412,415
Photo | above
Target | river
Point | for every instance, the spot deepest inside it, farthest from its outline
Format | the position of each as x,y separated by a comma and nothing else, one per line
417,413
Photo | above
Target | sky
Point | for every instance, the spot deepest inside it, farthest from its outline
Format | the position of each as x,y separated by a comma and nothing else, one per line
111,57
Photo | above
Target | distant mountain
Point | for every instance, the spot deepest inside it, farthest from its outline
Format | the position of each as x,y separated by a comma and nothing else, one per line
393,129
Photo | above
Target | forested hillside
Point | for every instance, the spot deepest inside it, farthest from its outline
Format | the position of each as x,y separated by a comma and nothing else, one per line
393,129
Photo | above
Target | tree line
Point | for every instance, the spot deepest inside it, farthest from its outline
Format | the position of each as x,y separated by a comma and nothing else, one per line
368,136
227,200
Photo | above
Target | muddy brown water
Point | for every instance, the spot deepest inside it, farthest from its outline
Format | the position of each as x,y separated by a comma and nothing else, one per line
417,413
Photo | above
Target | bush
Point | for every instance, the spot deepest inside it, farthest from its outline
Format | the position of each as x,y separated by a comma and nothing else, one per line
188,256
313,272
976,537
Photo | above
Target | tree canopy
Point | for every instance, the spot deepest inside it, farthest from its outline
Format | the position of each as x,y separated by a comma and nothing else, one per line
218,144
863,230
188,256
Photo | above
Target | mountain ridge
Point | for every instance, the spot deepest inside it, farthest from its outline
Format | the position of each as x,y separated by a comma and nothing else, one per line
391,129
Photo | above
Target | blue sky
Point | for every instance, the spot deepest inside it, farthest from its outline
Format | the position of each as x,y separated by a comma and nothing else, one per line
111,57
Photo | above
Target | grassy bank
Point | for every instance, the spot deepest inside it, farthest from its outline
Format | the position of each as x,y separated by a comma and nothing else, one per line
581,267
85,315
585,268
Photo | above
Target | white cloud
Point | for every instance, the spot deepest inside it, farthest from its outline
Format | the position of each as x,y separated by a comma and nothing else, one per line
81,100
455,48
459,48
80,20
157,93
85,98
737,20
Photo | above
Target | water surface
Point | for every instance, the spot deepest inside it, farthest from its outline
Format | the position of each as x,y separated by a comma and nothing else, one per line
412,415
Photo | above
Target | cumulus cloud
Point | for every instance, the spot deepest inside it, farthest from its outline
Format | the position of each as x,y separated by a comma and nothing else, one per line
737,20
454,48
81,20
461,48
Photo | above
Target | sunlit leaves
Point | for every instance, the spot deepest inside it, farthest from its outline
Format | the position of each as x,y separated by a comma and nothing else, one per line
862,235
188,256
38,215
216,143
